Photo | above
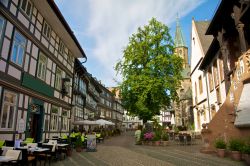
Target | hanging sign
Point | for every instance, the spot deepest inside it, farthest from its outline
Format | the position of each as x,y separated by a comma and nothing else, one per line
91,143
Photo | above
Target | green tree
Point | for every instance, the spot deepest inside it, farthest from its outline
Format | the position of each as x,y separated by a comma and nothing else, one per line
151,71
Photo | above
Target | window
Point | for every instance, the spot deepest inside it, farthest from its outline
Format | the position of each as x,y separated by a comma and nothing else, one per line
215,72
196,99
210,79
2,25
54,118
58,81
18,49
61,47
200,85
26,6
65,120
218,96
46,123
221,68
46,30
82,87
5,2
8,110
42,63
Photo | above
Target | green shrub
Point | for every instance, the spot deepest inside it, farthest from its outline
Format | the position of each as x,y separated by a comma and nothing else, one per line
236,144
164,136
220,144
156,137
78,142
246,149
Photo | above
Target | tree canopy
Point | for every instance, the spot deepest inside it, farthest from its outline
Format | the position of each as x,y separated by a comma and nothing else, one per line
150,70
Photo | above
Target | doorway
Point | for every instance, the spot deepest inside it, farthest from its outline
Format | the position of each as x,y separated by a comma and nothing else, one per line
35,121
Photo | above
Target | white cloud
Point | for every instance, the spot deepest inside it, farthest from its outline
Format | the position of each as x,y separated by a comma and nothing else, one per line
111,22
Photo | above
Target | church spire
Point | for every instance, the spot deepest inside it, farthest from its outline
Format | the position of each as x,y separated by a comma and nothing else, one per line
179,39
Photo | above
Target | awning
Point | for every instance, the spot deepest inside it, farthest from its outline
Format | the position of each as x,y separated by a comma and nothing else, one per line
243,109
85,122
103,122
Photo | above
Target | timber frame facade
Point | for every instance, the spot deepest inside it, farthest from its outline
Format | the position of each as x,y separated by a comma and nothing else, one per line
231,39
37,53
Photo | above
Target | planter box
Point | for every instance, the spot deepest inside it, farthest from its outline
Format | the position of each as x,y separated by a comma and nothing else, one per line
246,158
157,143
221,152
236,155
164,143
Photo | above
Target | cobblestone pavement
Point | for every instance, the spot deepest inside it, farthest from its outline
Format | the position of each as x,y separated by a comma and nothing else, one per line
121,151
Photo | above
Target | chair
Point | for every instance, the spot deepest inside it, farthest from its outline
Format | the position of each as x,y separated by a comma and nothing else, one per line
2,142
47,155
15,154
99,137
28,140
181,139
9,143
26,158
189,139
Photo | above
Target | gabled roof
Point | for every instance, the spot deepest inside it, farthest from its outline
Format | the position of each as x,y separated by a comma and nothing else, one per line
206,40
55,19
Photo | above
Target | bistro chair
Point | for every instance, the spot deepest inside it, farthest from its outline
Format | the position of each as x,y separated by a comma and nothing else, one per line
2,142
26,158
28,140
189,139
46,155
9,143
181,139
99,137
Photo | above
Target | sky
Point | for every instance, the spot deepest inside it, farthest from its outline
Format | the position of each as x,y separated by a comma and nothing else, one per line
103,27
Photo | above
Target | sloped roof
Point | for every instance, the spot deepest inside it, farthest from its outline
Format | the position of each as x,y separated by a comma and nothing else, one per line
206,40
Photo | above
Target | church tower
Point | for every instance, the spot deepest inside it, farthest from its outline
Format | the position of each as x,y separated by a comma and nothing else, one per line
180,46
183,108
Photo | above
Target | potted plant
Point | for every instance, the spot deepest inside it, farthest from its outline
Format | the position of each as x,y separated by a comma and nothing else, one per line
246,153
164,138
220,145
78,144
69,149
157,139
236,145
148,137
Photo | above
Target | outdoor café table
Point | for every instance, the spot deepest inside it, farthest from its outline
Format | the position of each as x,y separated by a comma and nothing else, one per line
38,150
62,145
6,159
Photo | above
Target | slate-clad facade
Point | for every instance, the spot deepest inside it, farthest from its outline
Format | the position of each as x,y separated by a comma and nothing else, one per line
37,54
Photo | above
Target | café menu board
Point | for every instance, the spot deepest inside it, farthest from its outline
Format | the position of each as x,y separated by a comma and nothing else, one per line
91,143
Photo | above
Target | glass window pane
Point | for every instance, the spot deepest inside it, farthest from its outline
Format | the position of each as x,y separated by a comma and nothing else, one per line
28,9
20,56
14,53
5,2
24,3
11,117
4,116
